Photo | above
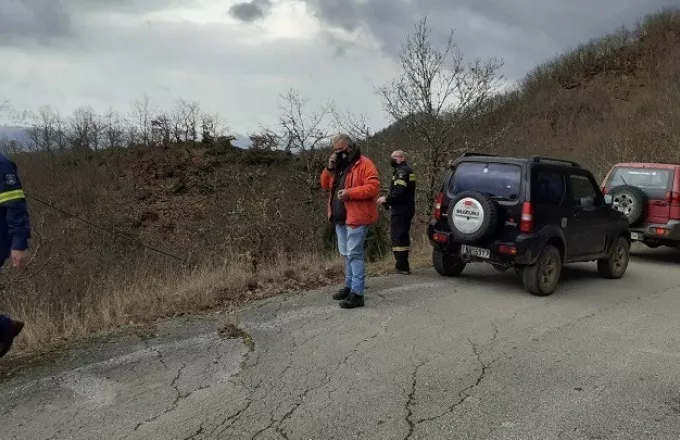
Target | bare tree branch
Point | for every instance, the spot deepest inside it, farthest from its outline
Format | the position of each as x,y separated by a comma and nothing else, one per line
435,91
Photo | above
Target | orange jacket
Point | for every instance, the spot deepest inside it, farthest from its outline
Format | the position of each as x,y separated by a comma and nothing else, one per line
363,186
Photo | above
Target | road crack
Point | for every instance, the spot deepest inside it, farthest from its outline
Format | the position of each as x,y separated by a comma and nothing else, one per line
466,393
409,401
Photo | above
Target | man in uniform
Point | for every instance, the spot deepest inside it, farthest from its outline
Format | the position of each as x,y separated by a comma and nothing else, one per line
401,202
15,231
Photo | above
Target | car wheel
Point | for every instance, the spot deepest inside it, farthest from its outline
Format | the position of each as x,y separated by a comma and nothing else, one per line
616,264
541,278
472,216
447,265
630,201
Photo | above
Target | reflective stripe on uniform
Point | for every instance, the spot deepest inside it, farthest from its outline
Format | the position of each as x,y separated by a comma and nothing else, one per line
400,182
9,196
400,248
412,177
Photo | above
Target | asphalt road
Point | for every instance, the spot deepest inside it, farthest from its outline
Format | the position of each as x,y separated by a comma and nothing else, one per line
427,358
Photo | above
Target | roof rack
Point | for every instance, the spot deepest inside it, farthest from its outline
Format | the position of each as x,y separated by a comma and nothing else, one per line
472,153
552,159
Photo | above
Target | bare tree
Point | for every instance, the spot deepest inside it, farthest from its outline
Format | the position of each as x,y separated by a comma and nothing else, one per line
185,120
356,126
98,127
436,90
84,129
212,128
265,141
43,131
305,132
61,138
162,130
141,116
114,131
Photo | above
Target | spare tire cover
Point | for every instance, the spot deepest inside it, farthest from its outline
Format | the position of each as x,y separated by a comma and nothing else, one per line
472,215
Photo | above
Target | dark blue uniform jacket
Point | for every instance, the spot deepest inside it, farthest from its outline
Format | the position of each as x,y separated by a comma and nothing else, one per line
15,228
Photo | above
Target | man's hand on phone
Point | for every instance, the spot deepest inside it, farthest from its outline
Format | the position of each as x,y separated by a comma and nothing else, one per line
331,162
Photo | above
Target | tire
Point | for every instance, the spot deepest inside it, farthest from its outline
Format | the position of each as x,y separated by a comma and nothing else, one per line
614,266
631,201
541,278
447,265
468,228
501,269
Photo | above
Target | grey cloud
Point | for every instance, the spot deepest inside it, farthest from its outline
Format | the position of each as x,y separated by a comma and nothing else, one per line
250,11
42,21
522,32
37,20
126,6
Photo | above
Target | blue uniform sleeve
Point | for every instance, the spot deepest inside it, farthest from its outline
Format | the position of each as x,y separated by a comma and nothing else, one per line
12,198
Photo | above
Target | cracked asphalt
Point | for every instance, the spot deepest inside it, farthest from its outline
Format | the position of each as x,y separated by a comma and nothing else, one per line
427,358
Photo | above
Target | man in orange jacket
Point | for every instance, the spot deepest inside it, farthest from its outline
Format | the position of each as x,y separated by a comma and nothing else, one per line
353,182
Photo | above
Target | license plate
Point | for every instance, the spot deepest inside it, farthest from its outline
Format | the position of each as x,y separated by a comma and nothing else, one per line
635,236
475,251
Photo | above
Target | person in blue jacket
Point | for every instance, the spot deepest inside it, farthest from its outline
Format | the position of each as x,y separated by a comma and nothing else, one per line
15,231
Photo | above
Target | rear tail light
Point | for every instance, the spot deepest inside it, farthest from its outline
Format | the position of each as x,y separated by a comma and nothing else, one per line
526,224
508,250
440,238
661,232
604,190
437,213
673,197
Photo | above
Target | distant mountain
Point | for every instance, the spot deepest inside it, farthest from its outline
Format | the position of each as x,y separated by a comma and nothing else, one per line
13,133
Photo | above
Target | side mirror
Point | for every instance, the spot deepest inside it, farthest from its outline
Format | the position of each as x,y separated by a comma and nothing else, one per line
608,200
587,202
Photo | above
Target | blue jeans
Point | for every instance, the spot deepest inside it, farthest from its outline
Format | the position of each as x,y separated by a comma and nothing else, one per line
351,246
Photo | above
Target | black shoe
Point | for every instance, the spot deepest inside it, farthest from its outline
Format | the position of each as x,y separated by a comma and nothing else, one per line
342,294
352,301
17,327
403,272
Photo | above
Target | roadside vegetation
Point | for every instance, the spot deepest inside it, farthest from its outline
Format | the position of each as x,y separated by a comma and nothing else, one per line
151,213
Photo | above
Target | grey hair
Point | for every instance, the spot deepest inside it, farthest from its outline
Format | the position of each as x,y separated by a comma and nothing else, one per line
400,153
341,137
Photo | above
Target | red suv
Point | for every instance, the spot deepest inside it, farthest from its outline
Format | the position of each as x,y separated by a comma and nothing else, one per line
649,195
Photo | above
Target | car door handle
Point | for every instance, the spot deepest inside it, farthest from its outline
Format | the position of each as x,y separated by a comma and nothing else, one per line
660,203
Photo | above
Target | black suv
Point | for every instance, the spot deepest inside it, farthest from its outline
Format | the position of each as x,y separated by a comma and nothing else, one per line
533,215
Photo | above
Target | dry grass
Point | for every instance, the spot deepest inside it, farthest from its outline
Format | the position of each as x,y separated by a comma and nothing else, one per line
143,299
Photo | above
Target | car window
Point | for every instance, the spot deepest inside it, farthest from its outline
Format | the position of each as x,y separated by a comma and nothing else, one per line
494,179
582,188
548,187
645,178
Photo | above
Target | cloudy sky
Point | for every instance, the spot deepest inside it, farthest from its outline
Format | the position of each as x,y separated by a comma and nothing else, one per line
237,57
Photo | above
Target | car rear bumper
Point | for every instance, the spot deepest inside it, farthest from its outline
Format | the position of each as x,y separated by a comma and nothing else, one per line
523,251
657,232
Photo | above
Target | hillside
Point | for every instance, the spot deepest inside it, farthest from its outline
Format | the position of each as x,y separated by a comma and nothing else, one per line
239,223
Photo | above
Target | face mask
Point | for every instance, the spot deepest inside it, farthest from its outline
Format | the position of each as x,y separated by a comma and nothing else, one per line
394,163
